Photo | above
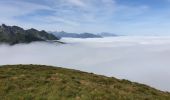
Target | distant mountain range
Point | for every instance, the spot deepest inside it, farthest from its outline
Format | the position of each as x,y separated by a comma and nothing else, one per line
63,34
14,34
105,34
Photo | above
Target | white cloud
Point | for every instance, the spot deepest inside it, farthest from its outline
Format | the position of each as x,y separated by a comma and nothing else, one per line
12,8
140,59
72,15
77,2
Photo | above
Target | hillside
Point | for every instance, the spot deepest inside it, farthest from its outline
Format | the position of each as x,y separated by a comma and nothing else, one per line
14,35
37,82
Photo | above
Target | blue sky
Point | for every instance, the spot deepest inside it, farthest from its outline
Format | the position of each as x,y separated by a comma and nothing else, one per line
127,17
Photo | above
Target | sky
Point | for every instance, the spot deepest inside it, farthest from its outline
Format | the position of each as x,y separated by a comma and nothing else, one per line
125,17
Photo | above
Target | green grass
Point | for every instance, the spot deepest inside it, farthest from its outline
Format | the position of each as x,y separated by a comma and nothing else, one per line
37,82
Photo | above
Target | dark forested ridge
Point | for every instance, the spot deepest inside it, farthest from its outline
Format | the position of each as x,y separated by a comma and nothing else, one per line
37,82
14,34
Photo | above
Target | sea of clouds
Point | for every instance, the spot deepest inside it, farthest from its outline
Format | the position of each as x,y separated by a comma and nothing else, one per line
140,59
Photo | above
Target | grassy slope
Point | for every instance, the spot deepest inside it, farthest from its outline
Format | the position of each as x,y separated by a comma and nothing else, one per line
36,82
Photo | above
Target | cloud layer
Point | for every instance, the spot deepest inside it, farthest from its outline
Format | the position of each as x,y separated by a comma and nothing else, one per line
139,59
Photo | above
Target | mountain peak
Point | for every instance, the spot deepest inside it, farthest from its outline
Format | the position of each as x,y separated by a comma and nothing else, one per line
14,34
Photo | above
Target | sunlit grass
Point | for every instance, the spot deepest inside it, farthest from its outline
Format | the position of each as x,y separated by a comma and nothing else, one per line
37,82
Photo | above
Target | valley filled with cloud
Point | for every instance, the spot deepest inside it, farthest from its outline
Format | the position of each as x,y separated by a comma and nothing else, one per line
139,59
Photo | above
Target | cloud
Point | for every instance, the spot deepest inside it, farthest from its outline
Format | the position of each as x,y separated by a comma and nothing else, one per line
18,8
68,13
116,16
11,9
77,2
71,13
139,59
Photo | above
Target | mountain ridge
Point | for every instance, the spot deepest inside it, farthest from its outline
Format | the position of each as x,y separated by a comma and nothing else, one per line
106,34
64,34
14,35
